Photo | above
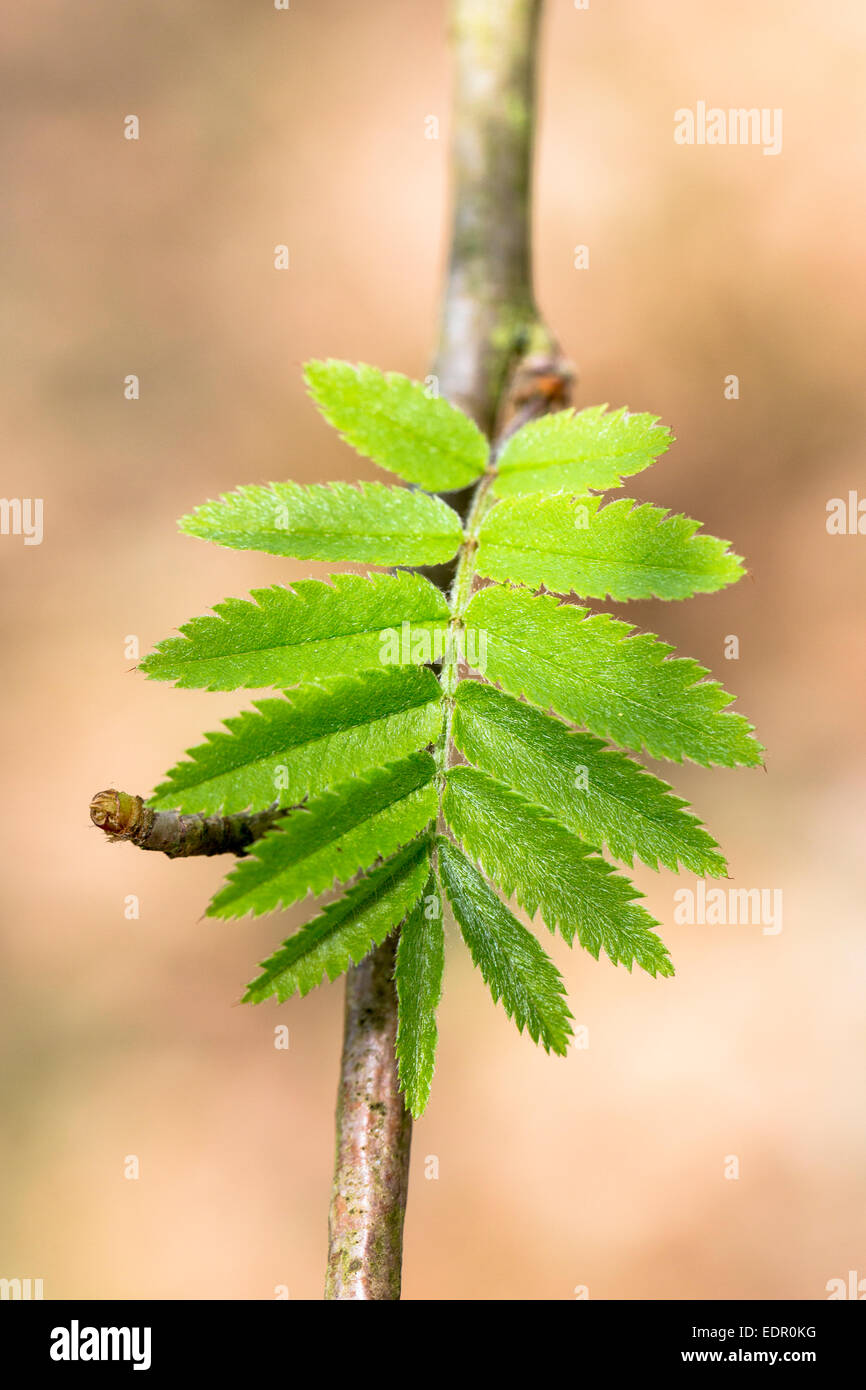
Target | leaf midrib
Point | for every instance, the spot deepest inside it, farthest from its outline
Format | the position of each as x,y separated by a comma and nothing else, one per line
382,413
613,795
588,559
334,833
309,743
682,721
417,626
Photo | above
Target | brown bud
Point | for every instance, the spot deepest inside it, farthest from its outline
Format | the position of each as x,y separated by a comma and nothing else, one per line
543,376
117,813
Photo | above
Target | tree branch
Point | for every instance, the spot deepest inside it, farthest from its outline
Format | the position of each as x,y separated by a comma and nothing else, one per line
500,365
489,318
498,362
125,817
374,1130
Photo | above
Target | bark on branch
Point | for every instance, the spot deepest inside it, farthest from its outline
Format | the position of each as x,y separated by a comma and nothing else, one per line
125,817
489,317
374,1128
497,362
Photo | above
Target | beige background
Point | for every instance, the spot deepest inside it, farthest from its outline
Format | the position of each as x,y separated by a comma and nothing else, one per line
119,1037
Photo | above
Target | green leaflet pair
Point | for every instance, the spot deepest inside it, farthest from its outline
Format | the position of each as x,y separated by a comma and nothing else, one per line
361,743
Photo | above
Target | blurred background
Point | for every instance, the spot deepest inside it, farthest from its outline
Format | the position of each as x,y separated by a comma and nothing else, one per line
155,258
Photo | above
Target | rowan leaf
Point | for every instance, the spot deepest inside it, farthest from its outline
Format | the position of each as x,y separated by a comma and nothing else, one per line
589,669
331,838
418,978
310,631
513,964
530,855
347,929
354,753
578,449
371,523
622,551
304,742
596,791
393,421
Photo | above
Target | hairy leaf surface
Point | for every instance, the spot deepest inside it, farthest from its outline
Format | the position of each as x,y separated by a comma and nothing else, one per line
591,671
346,930
394,422
529,854
306,741
598,792
574,450
623,550
418,978
331,838
308,632
513,964
371,523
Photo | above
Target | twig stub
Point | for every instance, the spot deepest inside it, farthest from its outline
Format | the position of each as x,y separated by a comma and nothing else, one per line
123,816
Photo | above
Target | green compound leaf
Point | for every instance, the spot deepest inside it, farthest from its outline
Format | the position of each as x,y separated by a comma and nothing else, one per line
596,791
418,977
621,551
303,743
392,420
530,855
592,672
371,523
575,450
309,632
515,967
345,752
347,929
332,838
